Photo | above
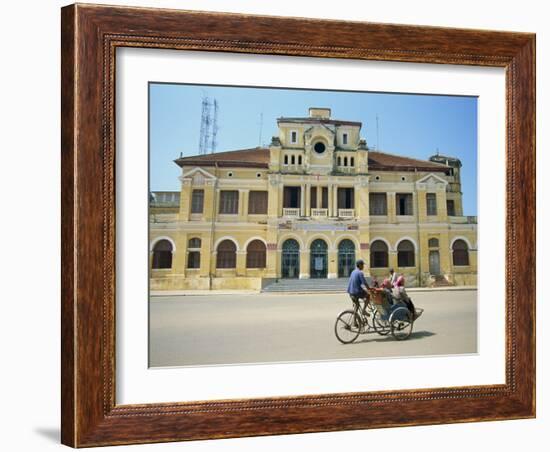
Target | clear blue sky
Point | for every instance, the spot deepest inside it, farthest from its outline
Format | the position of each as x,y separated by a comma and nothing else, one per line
410,125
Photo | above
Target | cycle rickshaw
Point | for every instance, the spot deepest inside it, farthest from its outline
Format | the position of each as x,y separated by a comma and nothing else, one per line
376,315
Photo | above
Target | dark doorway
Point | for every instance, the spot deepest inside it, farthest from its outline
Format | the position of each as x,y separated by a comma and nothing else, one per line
346,198
290,259
346,258
291,197
319,259
434,263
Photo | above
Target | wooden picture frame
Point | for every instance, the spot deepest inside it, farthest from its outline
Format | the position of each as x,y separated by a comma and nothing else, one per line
90,36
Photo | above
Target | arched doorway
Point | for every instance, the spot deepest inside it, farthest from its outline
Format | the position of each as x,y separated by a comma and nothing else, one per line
290,259
346,258
319,259
435,268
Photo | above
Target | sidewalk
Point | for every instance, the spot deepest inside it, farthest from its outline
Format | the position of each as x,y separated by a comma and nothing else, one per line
179,293
173,293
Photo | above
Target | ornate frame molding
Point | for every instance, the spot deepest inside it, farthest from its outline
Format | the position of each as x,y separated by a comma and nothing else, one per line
90,36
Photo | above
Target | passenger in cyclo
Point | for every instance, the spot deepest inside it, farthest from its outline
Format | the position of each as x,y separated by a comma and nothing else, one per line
400,295
387,286
392,278
387,299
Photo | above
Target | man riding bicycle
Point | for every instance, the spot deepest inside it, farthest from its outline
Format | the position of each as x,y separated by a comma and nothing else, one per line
357,286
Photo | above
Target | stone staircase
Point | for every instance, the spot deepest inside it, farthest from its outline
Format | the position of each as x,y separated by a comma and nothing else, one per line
307,285
440,281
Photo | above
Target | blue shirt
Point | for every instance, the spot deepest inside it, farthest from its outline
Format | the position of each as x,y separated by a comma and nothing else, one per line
356,279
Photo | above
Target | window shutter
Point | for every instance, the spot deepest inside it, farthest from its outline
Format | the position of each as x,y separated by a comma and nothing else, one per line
229,202
257,202
197,201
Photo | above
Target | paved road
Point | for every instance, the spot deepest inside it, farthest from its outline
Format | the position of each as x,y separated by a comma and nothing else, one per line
232,329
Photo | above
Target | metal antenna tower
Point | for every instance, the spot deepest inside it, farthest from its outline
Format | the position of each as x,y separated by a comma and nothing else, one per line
209,126
214,141
205,126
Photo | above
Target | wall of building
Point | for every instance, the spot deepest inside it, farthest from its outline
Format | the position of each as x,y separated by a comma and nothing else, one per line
274,228
296,164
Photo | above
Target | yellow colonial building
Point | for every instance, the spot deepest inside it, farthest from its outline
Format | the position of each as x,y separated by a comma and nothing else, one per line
307,207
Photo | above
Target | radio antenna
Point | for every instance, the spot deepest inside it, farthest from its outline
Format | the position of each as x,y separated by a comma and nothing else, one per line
261,128
377,134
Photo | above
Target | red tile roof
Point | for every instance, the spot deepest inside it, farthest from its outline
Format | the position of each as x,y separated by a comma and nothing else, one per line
259,158
310,120
382,161
249,158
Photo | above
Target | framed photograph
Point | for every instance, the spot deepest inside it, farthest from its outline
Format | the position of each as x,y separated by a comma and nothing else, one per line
282,225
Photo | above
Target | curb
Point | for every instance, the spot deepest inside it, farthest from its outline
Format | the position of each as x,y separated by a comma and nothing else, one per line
313,292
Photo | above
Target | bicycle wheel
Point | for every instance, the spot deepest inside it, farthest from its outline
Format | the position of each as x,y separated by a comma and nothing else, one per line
381,326
347,326
401,323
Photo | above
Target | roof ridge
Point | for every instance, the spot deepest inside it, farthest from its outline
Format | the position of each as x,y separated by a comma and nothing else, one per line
406,157
224,152
311,119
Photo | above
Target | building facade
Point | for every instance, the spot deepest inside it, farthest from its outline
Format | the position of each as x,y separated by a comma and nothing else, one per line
307,207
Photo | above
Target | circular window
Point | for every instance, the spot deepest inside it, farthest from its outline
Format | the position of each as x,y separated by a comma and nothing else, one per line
377,177
258,174
403,178
230,174
319,147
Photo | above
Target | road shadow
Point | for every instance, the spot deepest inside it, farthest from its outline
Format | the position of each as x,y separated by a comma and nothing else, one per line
51,433
389,338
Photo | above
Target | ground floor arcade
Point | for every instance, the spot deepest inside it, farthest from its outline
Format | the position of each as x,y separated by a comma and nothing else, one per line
235,259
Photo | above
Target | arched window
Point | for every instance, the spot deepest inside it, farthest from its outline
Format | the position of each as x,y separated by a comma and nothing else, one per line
345,161
460,253
405,254
378,254
194,253
339,161
227,255
162,254
255,254
194,243
299,160
292,160
351,161
286,159
433,243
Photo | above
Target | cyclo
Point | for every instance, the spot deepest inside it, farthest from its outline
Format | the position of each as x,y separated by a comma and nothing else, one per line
374,314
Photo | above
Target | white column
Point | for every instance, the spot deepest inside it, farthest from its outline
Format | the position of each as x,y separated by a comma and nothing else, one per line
335,199
307,197
280,200
329,196
243,208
